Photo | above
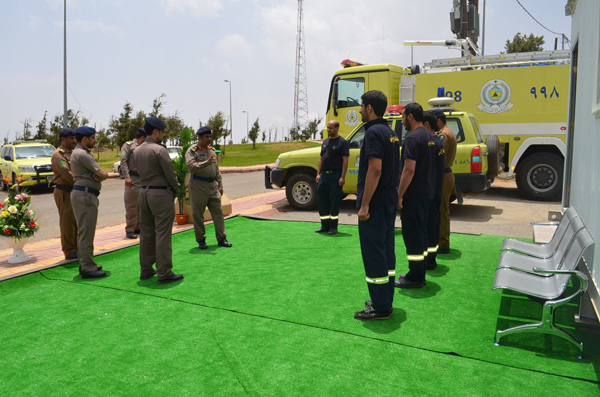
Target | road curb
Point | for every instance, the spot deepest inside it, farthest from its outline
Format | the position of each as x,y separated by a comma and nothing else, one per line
252,168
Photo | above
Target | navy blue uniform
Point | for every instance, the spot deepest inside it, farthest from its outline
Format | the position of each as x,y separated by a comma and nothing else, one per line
329,191
420,147
433,218
377,237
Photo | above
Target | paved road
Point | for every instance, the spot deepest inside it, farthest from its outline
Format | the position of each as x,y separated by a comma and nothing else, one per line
499,211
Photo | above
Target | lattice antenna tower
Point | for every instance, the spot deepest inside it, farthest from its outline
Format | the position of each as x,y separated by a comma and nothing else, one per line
300,91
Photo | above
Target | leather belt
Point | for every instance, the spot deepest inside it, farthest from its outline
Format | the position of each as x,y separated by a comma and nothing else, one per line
204,179
155,187
134,173
66,188
447,170
87,189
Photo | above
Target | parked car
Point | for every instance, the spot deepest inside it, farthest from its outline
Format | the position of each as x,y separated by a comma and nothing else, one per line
296,170
27,162
173,152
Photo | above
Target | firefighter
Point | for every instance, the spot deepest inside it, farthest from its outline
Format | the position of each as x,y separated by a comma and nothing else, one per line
331,177
449,141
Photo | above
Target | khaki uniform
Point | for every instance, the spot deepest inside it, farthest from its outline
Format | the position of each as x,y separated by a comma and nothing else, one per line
132,193
85,204
449,141
158,184
205,183
63,179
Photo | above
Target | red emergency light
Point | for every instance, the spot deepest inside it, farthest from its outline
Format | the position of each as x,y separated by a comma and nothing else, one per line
349,63
394,109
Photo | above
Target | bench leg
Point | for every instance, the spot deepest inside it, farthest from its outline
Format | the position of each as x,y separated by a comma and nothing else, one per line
546,326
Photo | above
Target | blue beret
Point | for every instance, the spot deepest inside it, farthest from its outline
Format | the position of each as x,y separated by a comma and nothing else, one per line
140,133
85,131
65,132
204,130
155,123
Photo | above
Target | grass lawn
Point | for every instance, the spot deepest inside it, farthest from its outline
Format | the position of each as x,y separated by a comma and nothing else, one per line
235,155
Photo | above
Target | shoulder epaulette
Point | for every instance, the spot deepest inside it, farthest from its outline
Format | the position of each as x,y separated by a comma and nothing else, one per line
194,148
61,150
129,143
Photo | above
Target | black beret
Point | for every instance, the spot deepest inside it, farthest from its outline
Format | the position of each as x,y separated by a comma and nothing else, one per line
204,130
155,123
140,133
85,131
65,132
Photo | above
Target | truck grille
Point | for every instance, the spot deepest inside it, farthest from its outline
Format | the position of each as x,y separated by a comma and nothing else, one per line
42,168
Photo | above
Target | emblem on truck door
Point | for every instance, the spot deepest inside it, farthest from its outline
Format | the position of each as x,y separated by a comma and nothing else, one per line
495,97
352,118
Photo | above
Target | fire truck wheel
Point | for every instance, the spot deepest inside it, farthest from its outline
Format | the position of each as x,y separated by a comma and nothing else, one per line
301,192
493,156
540,177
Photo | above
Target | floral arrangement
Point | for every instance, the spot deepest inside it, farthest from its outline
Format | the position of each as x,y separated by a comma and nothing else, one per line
17,220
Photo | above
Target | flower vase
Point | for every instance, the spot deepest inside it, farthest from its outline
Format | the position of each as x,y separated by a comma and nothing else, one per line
18,255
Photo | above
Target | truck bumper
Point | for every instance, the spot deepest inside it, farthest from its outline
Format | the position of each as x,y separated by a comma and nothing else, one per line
472,183
273,176
28,179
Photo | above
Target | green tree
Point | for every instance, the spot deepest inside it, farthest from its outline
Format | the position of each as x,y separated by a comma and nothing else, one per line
175,126
294,133
253,133
217,124
74,120
42,128
124,127
157,106
26,128
524,43
312,128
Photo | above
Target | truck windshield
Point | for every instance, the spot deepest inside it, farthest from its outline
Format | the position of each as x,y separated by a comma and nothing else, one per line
349,92
31,152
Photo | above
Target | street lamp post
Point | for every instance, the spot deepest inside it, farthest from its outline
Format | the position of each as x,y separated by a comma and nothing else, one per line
230,117
247,125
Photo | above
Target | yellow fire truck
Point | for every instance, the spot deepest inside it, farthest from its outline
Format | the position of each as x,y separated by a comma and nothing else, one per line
520,101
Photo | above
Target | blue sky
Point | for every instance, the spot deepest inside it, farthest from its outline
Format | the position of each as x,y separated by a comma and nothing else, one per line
134,50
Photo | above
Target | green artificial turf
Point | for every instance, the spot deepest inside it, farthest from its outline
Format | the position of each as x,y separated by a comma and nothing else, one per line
273,316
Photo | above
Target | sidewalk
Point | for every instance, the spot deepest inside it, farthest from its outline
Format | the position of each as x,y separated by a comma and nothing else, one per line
47,253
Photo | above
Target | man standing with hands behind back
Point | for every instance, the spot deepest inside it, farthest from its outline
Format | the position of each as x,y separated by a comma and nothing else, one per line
331,176
132,184
157,211
63,179
377,200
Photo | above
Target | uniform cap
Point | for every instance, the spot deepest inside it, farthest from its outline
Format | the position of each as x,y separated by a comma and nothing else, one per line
204,130
140,133
85,131
65,132
155,123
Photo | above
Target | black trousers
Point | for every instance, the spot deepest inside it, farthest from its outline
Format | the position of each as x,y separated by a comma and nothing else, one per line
329,194
414,232
377,245
433,229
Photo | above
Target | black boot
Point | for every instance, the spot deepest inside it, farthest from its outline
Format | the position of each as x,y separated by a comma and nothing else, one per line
333,227
324,226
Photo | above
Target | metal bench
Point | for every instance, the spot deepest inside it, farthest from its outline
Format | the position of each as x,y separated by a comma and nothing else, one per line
544,250
526,262
549,288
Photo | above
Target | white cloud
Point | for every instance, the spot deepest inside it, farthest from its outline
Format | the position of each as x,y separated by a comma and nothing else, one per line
234,46
200,8
92,26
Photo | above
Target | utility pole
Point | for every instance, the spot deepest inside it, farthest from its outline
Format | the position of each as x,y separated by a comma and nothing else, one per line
65,118
300,90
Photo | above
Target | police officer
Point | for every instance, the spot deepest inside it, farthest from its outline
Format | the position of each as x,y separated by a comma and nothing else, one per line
206,188
132,184
63,180
331,176
415,192
449,141
157,212
433,216
377,200
84,198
